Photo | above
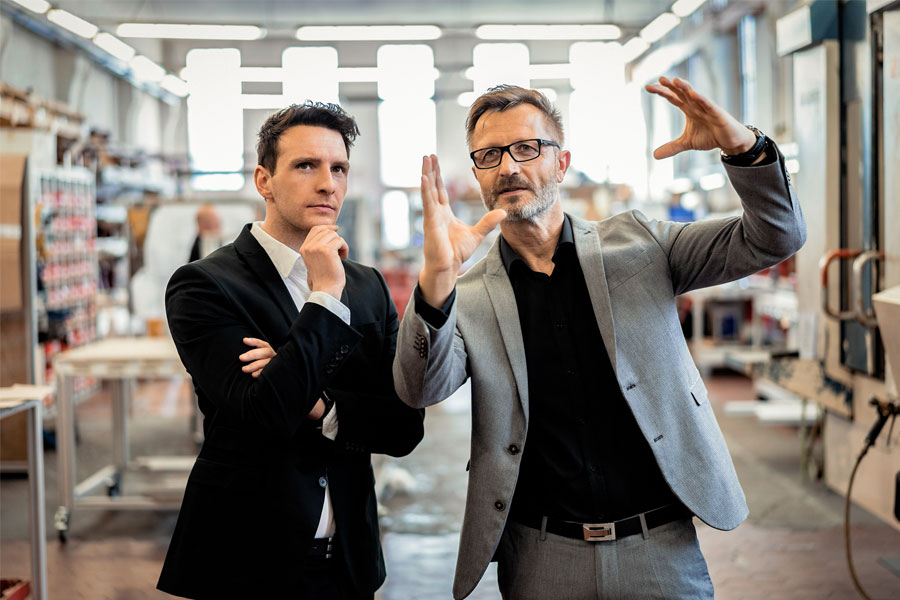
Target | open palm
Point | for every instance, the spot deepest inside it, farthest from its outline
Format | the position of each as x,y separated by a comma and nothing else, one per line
449,242
707,125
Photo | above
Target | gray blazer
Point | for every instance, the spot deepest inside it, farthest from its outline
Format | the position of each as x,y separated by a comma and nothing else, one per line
634,267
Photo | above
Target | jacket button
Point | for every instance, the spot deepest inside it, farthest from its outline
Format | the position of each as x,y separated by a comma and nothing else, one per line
499,505
513,449
329,371
323,482
345,349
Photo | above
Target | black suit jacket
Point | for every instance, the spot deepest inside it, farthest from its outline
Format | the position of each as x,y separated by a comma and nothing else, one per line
254,497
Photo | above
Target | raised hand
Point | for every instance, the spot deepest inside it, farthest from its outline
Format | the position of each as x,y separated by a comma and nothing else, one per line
257,358
707,125
322,252
448,241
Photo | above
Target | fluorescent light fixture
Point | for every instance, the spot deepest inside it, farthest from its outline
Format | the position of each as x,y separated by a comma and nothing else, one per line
114,46
38,6
713,181
634,48
542,71
548,32
681,185
683,8
360,33
174,84
467,98
184,31
790,148
76,25
659,27
145,69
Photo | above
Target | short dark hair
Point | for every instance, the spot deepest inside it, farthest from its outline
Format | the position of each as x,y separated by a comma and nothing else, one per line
316,114
503,97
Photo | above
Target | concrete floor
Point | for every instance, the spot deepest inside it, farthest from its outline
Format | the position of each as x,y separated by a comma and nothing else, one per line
791,547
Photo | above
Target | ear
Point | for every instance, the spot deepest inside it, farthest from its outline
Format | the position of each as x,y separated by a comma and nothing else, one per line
262,177
475,172
562,164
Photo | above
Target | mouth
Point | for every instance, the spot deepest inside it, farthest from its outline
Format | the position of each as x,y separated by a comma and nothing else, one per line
512,191
323,208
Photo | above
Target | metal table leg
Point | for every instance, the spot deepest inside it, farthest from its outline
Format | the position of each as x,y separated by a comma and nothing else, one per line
36,499
65,449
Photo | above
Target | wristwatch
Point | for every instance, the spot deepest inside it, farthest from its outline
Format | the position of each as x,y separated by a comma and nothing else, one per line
745,159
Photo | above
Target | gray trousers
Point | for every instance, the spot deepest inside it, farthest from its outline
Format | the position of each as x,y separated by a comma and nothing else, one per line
665,566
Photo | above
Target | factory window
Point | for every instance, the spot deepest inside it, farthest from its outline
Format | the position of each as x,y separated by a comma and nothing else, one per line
215,118
607,135
407,120
395,232
495,64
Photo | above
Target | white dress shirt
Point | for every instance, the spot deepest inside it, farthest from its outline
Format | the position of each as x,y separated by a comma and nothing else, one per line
292,269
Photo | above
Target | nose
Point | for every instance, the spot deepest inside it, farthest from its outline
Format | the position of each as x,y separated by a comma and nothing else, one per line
325,182
508,165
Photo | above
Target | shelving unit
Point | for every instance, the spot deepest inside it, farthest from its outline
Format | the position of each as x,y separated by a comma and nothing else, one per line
67,281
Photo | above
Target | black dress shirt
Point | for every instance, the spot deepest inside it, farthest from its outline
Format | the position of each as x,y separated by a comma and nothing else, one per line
584,459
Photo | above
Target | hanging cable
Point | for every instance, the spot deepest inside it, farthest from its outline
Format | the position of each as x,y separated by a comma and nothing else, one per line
886,410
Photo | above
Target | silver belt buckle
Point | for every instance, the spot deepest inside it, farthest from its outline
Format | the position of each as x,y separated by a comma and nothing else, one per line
599,532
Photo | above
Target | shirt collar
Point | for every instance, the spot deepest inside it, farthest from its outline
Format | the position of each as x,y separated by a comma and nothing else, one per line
282,256
510,256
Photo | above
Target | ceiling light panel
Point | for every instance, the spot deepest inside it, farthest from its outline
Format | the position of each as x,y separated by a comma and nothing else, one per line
114,46
683,8
659,27
37,6
548,32
185,31
76,25
359,33
174,84
634,48
145,69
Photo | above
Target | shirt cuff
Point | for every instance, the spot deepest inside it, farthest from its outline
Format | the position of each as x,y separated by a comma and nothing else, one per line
434,317
330,423
329,302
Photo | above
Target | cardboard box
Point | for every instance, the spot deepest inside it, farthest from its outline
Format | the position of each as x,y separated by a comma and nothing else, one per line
10,275
12,188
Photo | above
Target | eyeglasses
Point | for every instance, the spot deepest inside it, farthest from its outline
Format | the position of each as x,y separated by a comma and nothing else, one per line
521,151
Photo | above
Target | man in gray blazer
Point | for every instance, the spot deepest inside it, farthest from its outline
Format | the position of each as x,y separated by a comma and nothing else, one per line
593,442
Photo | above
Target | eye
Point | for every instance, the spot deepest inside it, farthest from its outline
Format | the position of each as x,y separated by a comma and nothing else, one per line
305,166
339,169
489,154
525,148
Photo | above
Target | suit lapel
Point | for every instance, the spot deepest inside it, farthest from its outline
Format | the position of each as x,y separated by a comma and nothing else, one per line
590,256
261,266
503,300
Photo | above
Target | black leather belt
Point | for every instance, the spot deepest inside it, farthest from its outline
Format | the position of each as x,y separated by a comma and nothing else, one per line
605,532
322,547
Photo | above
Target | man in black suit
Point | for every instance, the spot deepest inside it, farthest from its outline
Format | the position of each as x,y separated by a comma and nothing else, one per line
280,503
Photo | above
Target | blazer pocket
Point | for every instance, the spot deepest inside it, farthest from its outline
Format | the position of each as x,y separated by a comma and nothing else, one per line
631,267
699,393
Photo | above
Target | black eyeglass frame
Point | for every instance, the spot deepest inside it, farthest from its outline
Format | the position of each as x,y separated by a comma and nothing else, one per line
502,149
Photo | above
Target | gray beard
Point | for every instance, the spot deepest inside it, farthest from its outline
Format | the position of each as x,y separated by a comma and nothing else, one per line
543,201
